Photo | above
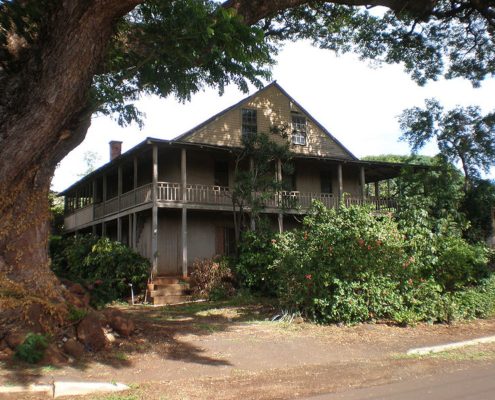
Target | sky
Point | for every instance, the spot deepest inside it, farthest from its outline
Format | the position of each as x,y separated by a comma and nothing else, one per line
359,104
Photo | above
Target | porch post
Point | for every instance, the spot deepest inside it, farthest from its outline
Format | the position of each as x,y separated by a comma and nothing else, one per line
103,229
183,182
279,179
129,231
104,194
119,229
154,212
93,230
119,193
94,197
363,183
134,231
340,183
377,195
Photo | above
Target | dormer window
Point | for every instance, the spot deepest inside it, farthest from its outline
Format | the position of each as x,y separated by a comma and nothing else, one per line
249,121
299,129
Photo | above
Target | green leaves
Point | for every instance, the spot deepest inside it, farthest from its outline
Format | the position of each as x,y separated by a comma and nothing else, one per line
453,39
176,48
462,134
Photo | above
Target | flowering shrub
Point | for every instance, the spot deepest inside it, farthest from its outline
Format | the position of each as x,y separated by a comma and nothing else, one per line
332,248
349,265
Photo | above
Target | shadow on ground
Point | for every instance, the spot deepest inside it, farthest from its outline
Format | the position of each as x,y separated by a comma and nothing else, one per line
159,331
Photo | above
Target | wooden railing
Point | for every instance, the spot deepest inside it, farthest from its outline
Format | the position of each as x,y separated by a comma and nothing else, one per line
171,192
206,194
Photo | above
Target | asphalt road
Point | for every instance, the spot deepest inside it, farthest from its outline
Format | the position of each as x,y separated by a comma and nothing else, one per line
477,383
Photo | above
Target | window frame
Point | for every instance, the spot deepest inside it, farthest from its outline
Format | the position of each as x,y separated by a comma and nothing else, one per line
299,130
249,123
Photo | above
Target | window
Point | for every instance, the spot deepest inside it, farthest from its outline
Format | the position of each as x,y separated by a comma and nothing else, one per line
221,173
326,182
249,121
299,130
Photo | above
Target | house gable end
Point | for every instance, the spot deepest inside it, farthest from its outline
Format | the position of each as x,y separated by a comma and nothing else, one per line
274,107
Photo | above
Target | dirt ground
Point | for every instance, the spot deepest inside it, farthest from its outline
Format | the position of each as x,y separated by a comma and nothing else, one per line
231,351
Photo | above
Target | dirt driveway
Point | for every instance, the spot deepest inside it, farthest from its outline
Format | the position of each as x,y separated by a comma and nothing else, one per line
233,351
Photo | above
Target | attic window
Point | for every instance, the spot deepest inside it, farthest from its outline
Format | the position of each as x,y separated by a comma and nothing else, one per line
249,121
299,129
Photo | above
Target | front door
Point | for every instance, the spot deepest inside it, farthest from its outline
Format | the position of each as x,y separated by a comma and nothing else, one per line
168,245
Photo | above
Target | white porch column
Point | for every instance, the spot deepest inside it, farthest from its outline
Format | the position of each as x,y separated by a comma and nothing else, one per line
340,191
154,212
183,184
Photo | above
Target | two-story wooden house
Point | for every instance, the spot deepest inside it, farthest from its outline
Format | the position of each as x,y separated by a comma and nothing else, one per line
170,199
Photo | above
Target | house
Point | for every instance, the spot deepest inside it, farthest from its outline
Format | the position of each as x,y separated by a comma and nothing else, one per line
170,200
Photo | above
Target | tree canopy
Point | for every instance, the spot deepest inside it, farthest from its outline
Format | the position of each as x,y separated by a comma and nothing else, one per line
462,134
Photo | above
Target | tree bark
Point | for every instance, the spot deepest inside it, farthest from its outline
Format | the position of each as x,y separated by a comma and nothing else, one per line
44,114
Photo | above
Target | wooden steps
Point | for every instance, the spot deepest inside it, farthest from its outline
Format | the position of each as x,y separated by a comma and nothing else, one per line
169,290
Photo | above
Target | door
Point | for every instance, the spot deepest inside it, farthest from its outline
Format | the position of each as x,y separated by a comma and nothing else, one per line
168,245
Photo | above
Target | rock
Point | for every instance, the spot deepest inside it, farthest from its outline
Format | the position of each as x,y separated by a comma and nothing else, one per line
110,336
6,353
90,333
123,326
53,356
119,322
73,348
14,339
76,294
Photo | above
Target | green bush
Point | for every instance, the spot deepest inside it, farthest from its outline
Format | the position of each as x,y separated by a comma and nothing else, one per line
350,265
336,248
105,266
459,263
254,268
32,349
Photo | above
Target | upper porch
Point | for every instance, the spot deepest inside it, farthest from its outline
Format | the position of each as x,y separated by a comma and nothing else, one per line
166,174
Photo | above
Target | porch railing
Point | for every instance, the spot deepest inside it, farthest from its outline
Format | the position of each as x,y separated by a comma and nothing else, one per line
170,192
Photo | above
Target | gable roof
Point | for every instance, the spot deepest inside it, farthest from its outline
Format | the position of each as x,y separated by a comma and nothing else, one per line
189,133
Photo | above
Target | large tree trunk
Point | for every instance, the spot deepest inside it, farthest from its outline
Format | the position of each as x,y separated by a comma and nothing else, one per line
44,114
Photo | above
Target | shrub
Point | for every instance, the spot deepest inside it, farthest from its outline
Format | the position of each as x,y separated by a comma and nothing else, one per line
333,249
254,268
32,349
459,263
106,266
212,278
474,302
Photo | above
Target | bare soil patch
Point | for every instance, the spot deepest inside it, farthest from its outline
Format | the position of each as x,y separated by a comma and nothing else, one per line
225,350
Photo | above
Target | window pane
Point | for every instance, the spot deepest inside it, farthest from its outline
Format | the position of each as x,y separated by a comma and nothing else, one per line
299,129
249,121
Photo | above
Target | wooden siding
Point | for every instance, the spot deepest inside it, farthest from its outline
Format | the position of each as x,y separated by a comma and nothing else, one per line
274,109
